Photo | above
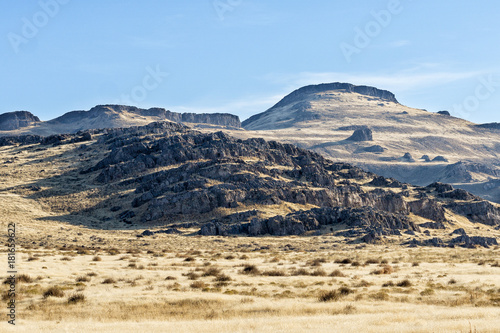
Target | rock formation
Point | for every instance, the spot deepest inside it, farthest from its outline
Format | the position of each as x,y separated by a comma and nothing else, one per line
14,120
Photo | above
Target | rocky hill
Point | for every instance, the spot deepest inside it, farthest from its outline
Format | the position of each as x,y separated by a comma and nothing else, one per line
108,116
367,127
18,119
167,175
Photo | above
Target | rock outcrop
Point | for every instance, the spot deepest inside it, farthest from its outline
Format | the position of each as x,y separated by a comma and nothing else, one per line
361,134
14,120
114,111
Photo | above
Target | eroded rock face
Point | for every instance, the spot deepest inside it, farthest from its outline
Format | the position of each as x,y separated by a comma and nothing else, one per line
477,211
14,120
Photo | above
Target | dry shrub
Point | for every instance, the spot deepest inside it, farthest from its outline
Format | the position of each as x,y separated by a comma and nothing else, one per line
54,291
318,272
198,284
274,272
109,281
300,271
76,298
405,283
96,258
223,278
250,269
212,271
316,262
343,261
337,273
385,269
371,261
82,279
329,296
114,251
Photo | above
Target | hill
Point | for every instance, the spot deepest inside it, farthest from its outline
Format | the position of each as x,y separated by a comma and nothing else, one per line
167,175
367,127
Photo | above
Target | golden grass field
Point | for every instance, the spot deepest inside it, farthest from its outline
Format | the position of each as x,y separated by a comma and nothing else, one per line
74,278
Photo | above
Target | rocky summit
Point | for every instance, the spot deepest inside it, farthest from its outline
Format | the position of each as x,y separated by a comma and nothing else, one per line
18,119
332,119
165,174
106,116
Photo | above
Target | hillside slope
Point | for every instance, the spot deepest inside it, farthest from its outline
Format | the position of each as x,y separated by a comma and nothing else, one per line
409,144
167,175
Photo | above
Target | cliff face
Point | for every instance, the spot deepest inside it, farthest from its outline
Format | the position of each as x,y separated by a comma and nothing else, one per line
14,120
115,111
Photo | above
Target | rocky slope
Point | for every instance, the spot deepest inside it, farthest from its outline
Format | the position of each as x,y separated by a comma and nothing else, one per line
369,128
15,120
108,116
167,175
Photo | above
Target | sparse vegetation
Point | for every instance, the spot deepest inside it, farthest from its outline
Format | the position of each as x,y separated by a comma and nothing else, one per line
54,291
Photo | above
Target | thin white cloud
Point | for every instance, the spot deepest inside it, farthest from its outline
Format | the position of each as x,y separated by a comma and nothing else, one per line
400,81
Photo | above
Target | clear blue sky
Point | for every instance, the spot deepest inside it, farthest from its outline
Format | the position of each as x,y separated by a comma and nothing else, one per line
242,56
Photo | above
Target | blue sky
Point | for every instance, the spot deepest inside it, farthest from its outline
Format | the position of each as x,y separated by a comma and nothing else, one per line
242,56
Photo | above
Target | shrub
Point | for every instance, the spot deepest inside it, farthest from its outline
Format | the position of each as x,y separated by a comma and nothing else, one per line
300,271
328,296
54,291
274,272
96,258
250,269
212,271
343,261
76,298
20,278
388,284
344,291
113,251
318,272
223,278
198,284
405,283
337,273
189,259
82,251
109,281
385,269
316,262
452,281
83,278
372,261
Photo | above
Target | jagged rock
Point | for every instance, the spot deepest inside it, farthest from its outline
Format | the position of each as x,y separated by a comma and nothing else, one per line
489,126
433,225
477,211
408,158
440,187
440,159
471,242
425,158
459,231
382,181
55,139
14,120
361,134
459,194
429,209
109,112
374,149
21,140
